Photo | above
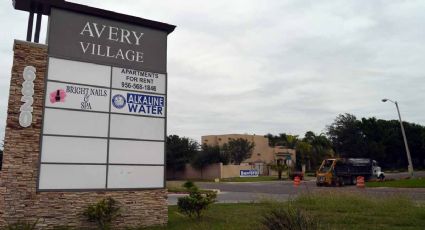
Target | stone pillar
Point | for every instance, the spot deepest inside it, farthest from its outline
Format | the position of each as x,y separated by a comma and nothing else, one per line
19,199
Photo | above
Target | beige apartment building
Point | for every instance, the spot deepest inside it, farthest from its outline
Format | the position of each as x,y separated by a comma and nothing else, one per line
262,155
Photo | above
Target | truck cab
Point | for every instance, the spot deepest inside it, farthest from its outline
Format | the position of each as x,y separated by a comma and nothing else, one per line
324,176
377,171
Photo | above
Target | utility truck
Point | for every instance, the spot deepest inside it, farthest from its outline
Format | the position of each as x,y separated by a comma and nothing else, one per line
342,171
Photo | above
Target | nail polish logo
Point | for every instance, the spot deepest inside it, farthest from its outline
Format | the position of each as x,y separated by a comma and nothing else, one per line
118,101
57,96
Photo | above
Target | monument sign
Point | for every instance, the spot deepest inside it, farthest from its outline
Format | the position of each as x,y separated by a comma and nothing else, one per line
86,119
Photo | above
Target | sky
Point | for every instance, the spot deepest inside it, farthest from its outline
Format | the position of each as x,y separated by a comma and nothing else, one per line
275,66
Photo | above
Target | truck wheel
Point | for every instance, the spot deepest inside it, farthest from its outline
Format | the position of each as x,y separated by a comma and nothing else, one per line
353,180
381,177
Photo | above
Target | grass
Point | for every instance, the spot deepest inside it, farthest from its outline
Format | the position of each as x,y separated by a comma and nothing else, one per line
311,174
354,211
218,216
333,210
405,183
176,187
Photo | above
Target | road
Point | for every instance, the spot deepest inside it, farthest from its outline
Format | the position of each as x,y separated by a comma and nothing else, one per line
234,192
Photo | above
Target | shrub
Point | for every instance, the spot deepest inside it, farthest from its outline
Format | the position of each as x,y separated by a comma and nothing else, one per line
21,226
281,217
103,212
194,204
189,185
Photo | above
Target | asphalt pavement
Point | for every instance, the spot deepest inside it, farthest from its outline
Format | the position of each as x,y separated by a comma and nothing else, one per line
235,192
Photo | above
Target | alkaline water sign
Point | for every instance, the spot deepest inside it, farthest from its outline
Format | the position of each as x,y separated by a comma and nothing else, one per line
248,173
138,103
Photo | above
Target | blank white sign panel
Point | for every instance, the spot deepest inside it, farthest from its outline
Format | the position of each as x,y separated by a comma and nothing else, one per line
135,176
79,72
136,152
74,150
125,126
76,123
71,96
72,176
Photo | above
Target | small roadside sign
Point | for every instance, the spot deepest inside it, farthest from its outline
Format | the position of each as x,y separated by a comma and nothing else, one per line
249,173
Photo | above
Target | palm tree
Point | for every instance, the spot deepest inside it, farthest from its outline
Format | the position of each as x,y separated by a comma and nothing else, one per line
291,141
304,153
279,167
321,148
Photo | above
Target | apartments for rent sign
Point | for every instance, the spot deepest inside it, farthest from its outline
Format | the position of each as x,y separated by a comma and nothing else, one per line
105,105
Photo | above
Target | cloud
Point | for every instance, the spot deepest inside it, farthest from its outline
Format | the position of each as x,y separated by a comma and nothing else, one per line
277,66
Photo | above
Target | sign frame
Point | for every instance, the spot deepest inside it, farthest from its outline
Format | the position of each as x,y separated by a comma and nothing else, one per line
108,138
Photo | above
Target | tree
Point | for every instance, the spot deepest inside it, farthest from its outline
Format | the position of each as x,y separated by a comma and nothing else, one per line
208,155
378,139
282,139
346,136
200,161
278,140
180,151
279,167
238,149
385,144
291,141
304,153
314,149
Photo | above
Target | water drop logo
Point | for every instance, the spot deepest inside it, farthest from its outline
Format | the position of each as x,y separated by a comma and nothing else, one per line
118,101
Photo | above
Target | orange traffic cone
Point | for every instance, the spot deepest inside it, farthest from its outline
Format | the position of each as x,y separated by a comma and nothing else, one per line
360,182
297,181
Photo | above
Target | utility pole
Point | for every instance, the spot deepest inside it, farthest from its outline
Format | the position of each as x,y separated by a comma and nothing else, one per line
409,159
